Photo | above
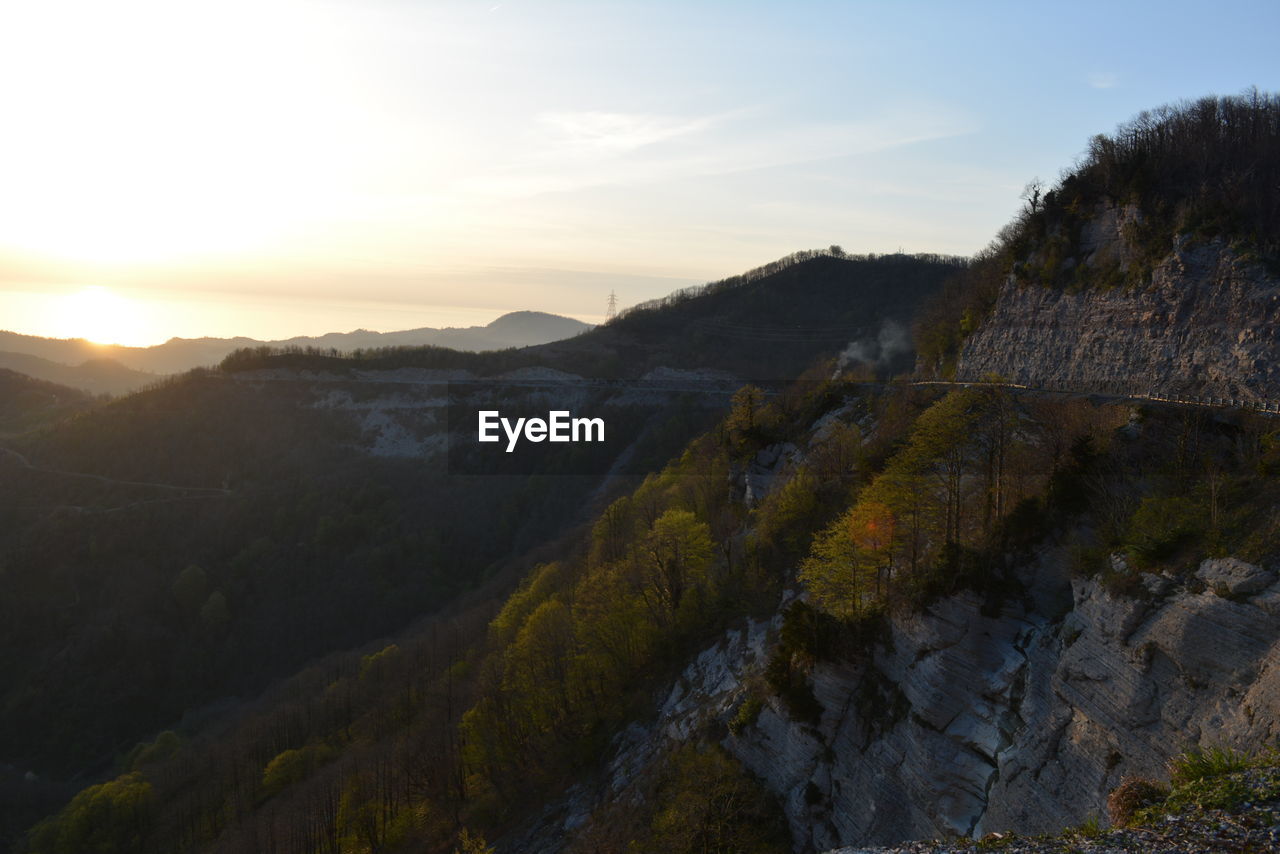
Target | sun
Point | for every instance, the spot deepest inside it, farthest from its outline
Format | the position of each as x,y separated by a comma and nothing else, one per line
144,134
101,316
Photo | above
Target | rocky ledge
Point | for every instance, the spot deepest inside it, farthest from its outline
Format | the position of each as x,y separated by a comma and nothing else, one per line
1203,327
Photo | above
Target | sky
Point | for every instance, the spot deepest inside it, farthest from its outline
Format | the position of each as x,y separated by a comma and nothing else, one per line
274,168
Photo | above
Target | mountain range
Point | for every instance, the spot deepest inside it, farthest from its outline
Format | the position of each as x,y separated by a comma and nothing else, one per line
896,548
116,369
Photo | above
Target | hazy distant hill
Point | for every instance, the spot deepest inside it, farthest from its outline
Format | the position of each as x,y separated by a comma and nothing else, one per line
516,329
96,375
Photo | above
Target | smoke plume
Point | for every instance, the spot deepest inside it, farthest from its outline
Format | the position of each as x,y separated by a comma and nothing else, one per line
878,350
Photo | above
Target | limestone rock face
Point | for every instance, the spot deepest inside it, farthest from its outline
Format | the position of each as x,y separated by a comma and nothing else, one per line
1235,577
980,716
1024,721
1205,327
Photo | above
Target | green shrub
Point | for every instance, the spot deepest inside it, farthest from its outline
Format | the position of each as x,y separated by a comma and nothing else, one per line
1201,764
1215,779
1123,583
165,745
790,681
1160,526
747,714
1091,827
291,766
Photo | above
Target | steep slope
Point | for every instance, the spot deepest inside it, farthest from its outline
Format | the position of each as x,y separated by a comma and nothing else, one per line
1150,269
1026,721
1010,688
1201,328
1022,722
191,543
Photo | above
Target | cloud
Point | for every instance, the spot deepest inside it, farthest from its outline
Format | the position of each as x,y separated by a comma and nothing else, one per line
567,151
613,133
1103,79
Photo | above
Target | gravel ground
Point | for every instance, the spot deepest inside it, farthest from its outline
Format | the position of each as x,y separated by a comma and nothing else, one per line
1254,829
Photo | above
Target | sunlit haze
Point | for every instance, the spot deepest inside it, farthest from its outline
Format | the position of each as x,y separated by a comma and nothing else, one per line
276,168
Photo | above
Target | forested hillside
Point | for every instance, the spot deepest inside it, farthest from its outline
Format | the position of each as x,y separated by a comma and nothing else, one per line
171,553
834,612
886,505
27,403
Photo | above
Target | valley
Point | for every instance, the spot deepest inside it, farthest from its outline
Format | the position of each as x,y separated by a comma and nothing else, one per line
880,549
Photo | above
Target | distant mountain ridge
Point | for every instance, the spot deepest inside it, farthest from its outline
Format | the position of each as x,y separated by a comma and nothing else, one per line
94,375
139,365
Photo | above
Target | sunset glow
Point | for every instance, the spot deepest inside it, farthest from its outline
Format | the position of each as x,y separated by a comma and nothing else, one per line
490,157
101,316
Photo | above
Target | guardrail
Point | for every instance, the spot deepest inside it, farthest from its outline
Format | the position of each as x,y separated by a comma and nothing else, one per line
1116,391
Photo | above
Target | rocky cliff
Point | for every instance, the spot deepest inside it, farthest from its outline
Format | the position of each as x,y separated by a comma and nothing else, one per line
1202,325
964,724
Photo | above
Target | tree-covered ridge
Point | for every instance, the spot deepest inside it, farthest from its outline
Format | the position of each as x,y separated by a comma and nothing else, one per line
771,323
774,267
1193,171
1201,170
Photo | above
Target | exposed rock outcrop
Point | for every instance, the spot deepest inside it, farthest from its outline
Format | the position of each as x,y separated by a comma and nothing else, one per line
1023,722
966,724
1204,326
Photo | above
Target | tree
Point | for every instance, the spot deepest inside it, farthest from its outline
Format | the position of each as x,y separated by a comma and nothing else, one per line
871,527
676,554
707,803
830,572
538,661
110,818
1032,194
469,843
745,404
612,534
